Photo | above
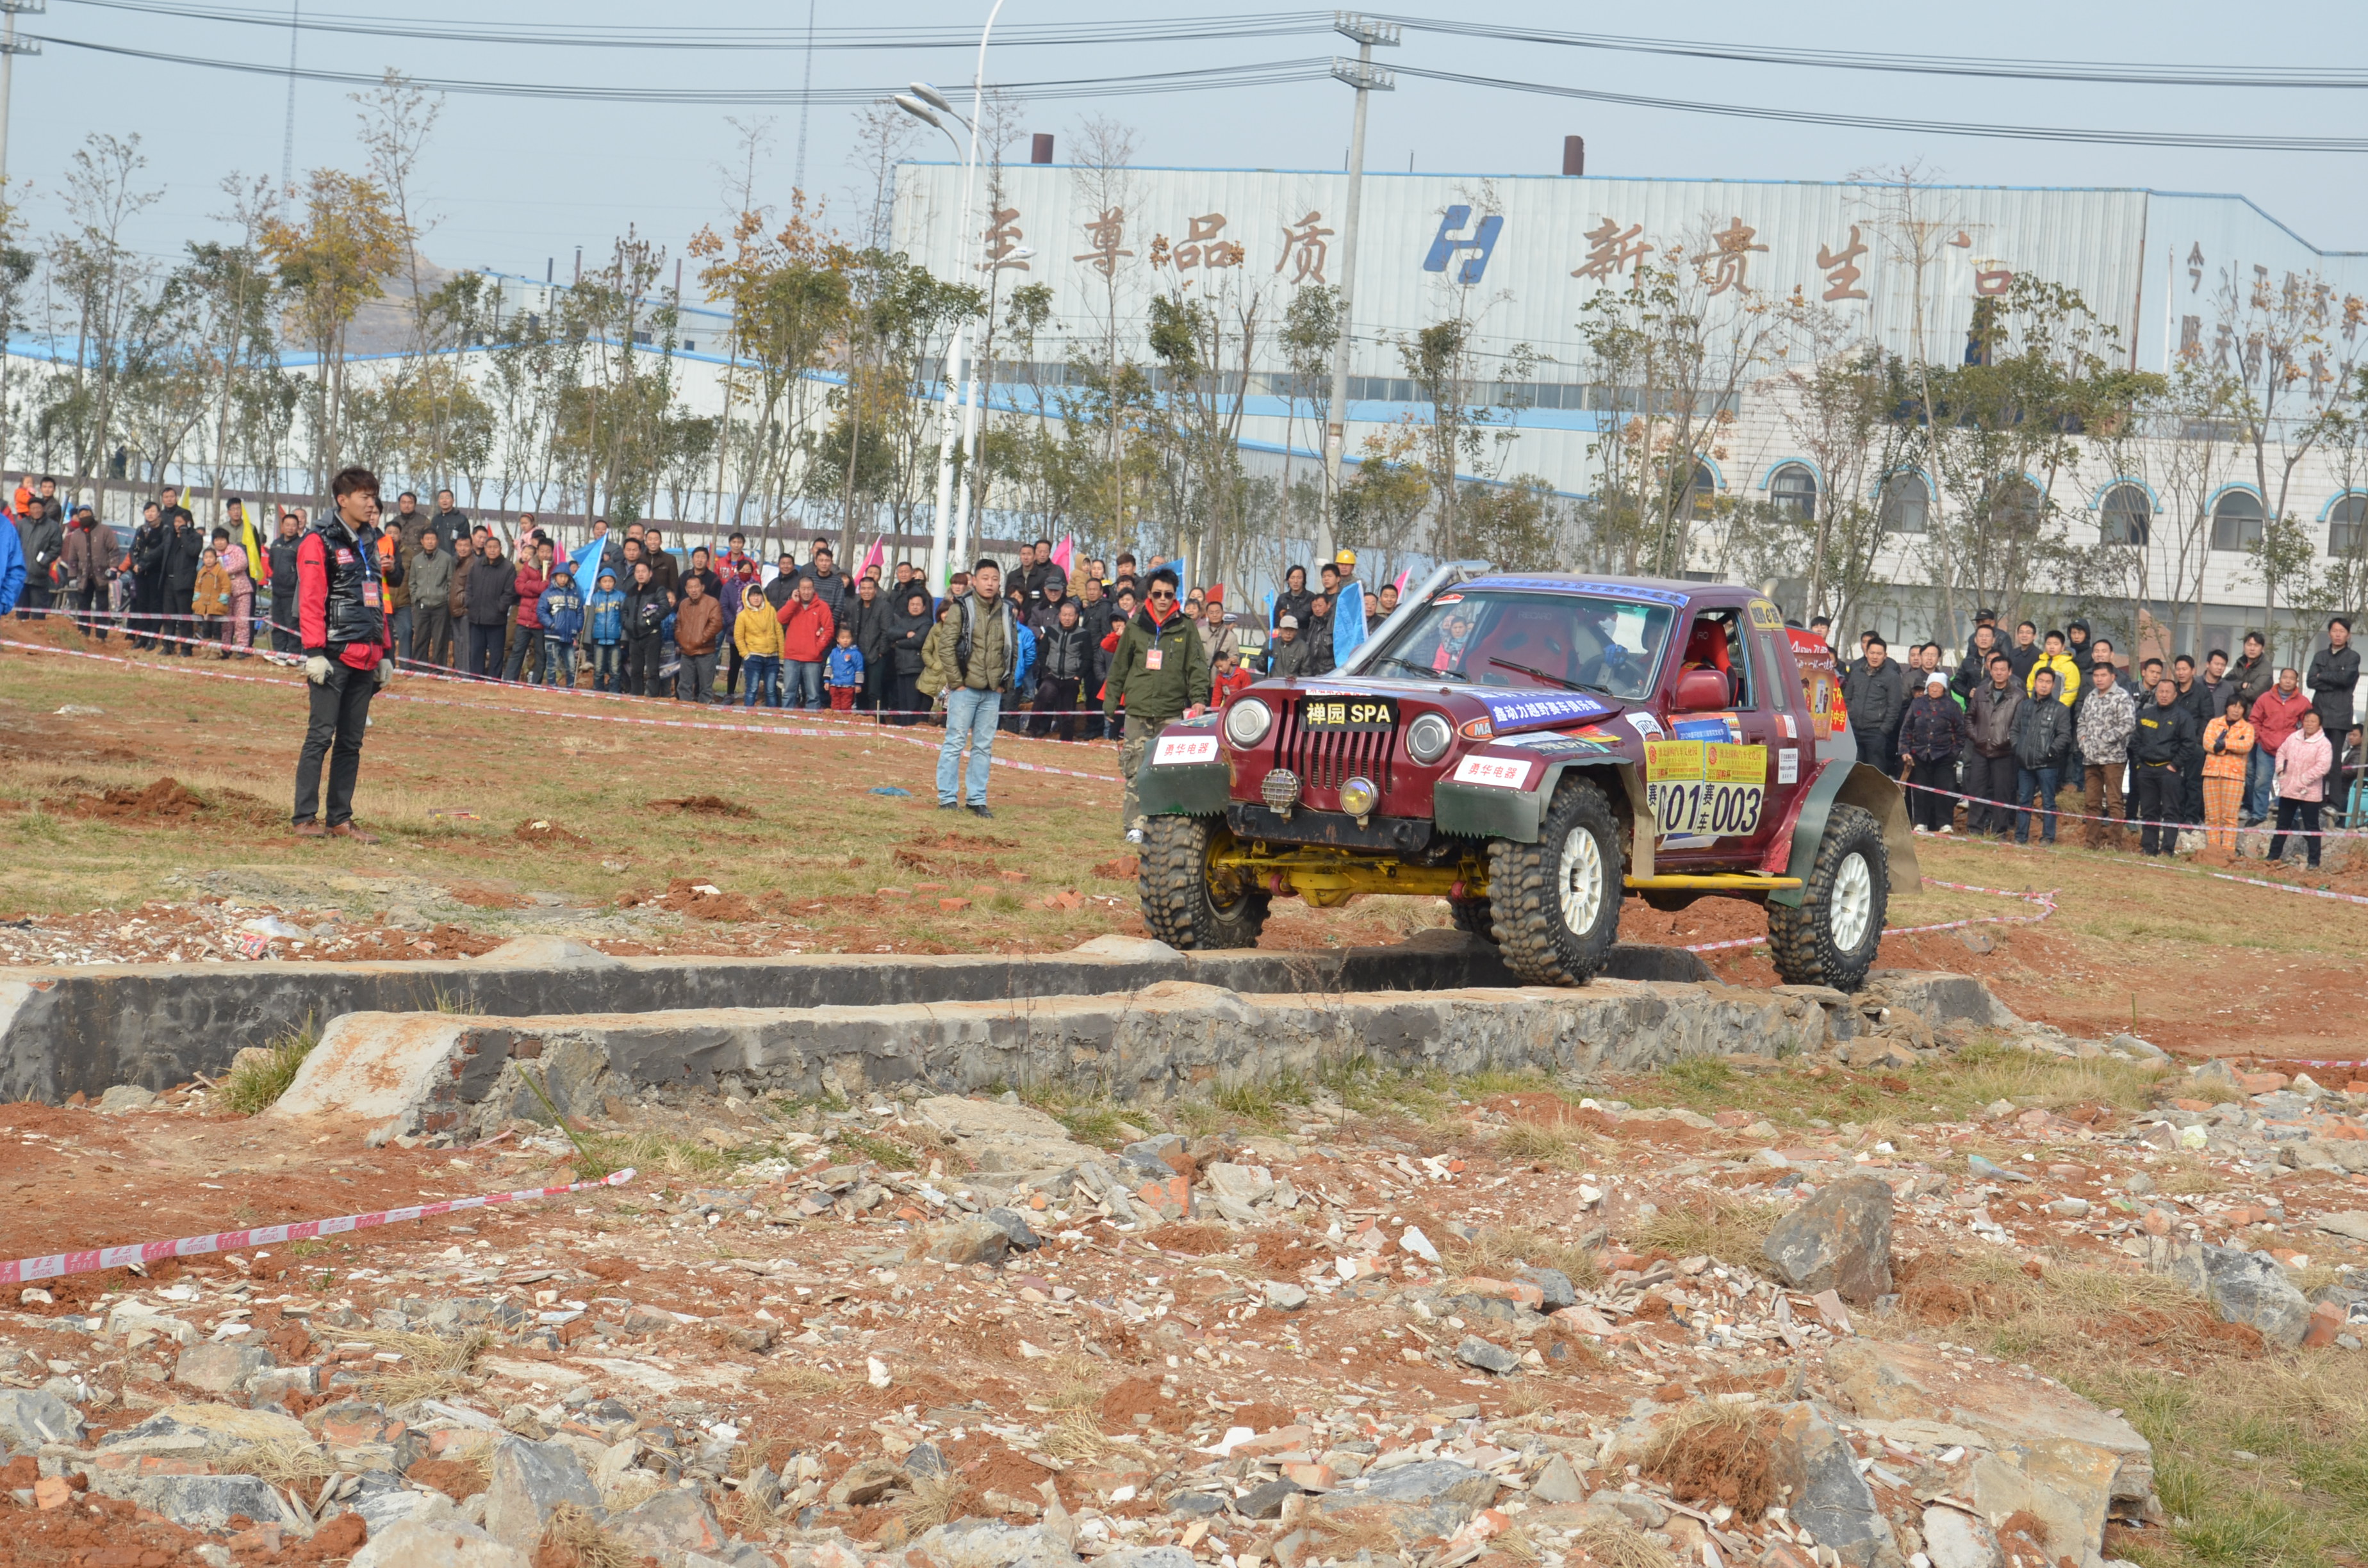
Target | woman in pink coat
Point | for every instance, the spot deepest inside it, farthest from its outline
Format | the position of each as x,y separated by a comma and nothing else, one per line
2303,762
238,629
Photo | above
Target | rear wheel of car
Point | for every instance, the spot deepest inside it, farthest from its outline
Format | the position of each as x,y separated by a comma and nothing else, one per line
1555,904
1188,903
1830,939
1475,915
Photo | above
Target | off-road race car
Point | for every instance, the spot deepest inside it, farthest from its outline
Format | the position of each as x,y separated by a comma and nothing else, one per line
1533,748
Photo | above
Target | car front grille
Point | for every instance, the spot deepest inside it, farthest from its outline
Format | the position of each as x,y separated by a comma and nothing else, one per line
1326,759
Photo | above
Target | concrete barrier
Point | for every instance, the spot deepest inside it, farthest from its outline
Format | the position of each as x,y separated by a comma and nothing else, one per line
414,1073
86,1029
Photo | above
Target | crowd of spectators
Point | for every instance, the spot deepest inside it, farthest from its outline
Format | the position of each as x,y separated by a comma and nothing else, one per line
2208,748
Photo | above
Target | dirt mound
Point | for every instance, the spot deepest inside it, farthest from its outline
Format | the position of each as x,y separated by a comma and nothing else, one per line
1122,869
477,895
705,805
548,833
686,896
1722,1459
952,840
165,801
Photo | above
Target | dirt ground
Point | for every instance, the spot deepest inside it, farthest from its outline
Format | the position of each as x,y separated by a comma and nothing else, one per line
141,816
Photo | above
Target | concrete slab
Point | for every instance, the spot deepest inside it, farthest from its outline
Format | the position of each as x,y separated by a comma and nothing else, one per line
88,1027
1163,1042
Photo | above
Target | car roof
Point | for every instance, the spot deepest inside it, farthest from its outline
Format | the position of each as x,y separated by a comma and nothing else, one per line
1656,590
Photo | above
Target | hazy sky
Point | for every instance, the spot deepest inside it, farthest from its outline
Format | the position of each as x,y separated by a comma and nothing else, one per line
512,182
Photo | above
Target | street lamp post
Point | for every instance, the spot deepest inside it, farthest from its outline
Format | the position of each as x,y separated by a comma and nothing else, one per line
1360,74
958,359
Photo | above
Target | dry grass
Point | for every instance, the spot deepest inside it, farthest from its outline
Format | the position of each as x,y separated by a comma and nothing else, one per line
1076,1436
1618,1544
2186,1175
1502,1251
1075,1382
1732,1229
281,1463
633,1490
1351,1532
432,1366
936,1500
574,1539
798,1382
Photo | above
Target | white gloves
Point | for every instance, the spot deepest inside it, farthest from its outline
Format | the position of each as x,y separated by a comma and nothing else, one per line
316,669
385,672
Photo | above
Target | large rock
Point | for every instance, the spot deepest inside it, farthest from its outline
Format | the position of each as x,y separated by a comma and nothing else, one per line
968,1238
220,1367
206,1501
29,1417
207,1433
2244,1287
1829,1497
2040,1447
529,1480
998,1137
991,1543
415,1543
1429,1498
1954,1538
1840,1241
670,1524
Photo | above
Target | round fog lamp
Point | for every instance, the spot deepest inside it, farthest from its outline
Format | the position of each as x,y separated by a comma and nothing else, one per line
1248,721
1280,790
1359,797
1427,738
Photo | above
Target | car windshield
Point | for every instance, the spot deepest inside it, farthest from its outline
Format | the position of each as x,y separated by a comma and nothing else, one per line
1561,641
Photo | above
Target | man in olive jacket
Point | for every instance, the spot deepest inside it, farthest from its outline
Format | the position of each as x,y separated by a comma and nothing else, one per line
1159,673
970,656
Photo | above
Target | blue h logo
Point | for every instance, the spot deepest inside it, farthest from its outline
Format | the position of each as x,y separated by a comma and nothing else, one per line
1482,241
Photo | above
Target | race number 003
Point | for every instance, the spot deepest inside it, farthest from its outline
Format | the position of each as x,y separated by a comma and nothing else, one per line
1721,809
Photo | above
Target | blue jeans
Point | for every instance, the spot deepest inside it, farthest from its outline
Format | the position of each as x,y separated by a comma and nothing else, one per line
805,683
2260,772
2036,788
402,619
763,673
970,715
558,663
607,666
526,653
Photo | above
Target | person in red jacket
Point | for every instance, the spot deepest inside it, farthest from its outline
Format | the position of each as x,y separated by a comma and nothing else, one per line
2276,714
348,648
808,629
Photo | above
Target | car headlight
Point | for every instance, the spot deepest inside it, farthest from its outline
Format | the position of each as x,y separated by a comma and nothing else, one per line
1359,797
1248,721
1427,738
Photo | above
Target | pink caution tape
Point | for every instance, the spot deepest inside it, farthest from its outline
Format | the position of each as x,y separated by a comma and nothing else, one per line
62,1262
2046,901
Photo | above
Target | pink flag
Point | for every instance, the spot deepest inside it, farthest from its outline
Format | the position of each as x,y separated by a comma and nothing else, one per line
876,556
1063,554
1401,583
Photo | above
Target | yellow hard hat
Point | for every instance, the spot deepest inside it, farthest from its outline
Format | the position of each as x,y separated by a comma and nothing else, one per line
1345,557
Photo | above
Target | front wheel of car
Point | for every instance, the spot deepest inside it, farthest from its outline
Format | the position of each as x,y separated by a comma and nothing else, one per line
1831,938
1555,904
1187,902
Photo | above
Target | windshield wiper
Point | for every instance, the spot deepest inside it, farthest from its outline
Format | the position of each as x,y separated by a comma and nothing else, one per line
1422,670
1552,680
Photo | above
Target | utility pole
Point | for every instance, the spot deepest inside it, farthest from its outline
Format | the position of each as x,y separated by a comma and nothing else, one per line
1361,75
12,46
288,126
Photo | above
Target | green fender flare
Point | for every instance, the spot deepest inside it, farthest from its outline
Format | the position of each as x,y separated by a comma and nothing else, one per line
1871,790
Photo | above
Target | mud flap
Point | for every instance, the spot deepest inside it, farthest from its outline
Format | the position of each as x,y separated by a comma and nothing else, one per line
1851,784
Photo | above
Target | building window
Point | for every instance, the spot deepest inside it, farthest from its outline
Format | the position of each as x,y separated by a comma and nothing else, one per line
2237,520
1705,499
1793,491
2347,526
1905,501
2125,517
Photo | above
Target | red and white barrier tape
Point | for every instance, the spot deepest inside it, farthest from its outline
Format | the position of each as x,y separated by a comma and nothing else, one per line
2046,901
801,730
26,1269
2120,821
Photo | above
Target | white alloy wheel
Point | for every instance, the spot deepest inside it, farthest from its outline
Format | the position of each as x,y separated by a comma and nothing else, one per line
1580,880
1853,903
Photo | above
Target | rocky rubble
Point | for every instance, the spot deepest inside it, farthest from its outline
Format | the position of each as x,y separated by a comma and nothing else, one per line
956,1333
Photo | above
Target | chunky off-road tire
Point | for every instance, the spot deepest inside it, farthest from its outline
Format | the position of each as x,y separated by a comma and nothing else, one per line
1555,904
1180,901
1831,938
1475,915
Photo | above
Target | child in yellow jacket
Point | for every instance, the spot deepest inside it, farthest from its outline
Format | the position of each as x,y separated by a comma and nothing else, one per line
209,602
2067,673
757,634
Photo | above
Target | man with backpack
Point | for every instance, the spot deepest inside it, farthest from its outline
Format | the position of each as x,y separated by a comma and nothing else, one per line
1158,674
970,657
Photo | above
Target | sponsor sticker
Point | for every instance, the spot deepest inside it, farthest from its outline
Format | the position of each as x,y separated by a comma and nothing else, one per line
1497,772
1703,786
1788,766
1185,748
1540,708
1764,614
1708,727
1644,725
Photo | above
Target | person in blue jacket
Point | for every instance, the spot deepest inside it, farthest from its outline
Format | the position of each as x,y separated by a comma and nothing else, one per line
560,609
1348,609
12,569
604,616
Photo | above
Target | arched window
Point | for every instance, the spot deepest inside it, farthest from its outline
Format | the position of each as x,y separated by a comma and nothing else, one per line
1793,489
1905,501
2235,521
2125,516
1705,493
2347,526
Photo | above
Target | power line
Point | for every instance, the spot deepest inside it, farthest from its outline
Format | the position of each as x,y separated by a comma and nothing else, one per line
1273,73
2286,76
1919,127
1033,34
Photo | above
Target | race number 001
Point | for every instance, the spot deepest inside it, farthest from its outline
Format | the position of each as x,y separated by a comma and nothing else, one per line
1720,808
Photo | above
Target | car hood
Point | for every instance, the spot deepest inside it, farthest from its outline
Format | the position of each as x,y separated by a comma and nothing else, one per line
1508,709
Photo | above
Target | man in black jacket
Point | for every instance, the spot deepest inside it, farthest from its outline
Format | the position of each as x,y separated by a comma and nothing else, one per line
868,617
1992,716
183,554
1875,693
492,594
2334,674
2043,738
147,575
1064,660
2160,747
286,637
2254,677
